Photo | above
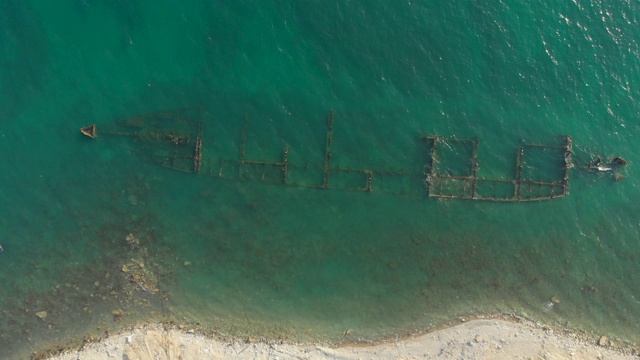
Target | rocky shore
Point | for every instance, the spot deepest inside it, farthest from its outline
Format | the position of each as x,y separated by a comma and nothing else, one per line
474,339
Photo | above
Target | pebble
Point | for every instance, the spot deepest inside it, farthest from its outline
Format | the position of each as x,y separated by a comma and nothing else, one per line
604,340
41,314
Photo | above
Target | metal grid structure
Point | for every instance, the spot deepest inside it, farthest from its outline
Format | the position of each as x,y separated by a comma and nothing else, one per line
324,175
532,181
174,140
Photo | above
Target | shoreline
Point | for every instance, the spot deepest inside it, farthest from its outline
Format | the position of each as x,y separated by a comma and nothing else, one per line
499,336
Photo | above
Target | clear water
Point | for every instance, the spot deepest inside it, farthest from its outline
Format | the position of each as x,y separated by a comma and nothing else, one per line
252,259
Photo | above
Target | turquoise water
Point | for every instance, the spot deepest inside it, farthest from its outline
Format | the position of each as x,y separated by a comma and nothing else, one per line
249,258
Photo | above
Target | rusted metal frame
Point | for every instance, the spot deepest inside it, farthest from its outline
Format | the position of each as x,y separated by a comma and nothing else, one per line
285,166
197,150
568,150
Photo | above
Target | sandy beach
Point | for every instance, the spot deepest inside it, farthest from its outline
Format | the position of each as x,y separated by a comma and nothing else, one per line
475,339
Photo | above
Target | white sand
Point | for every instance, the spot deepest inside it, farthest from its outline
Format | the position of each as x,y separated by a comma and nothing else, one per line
476,339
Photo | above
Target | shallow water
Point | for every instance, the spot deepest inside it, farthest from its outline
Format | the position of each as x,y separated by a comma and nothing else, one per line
256,258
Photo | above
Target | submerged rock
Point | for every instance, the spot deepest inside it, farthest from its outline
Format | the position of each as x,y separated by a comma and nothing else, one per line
132,240
117,314
133,200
